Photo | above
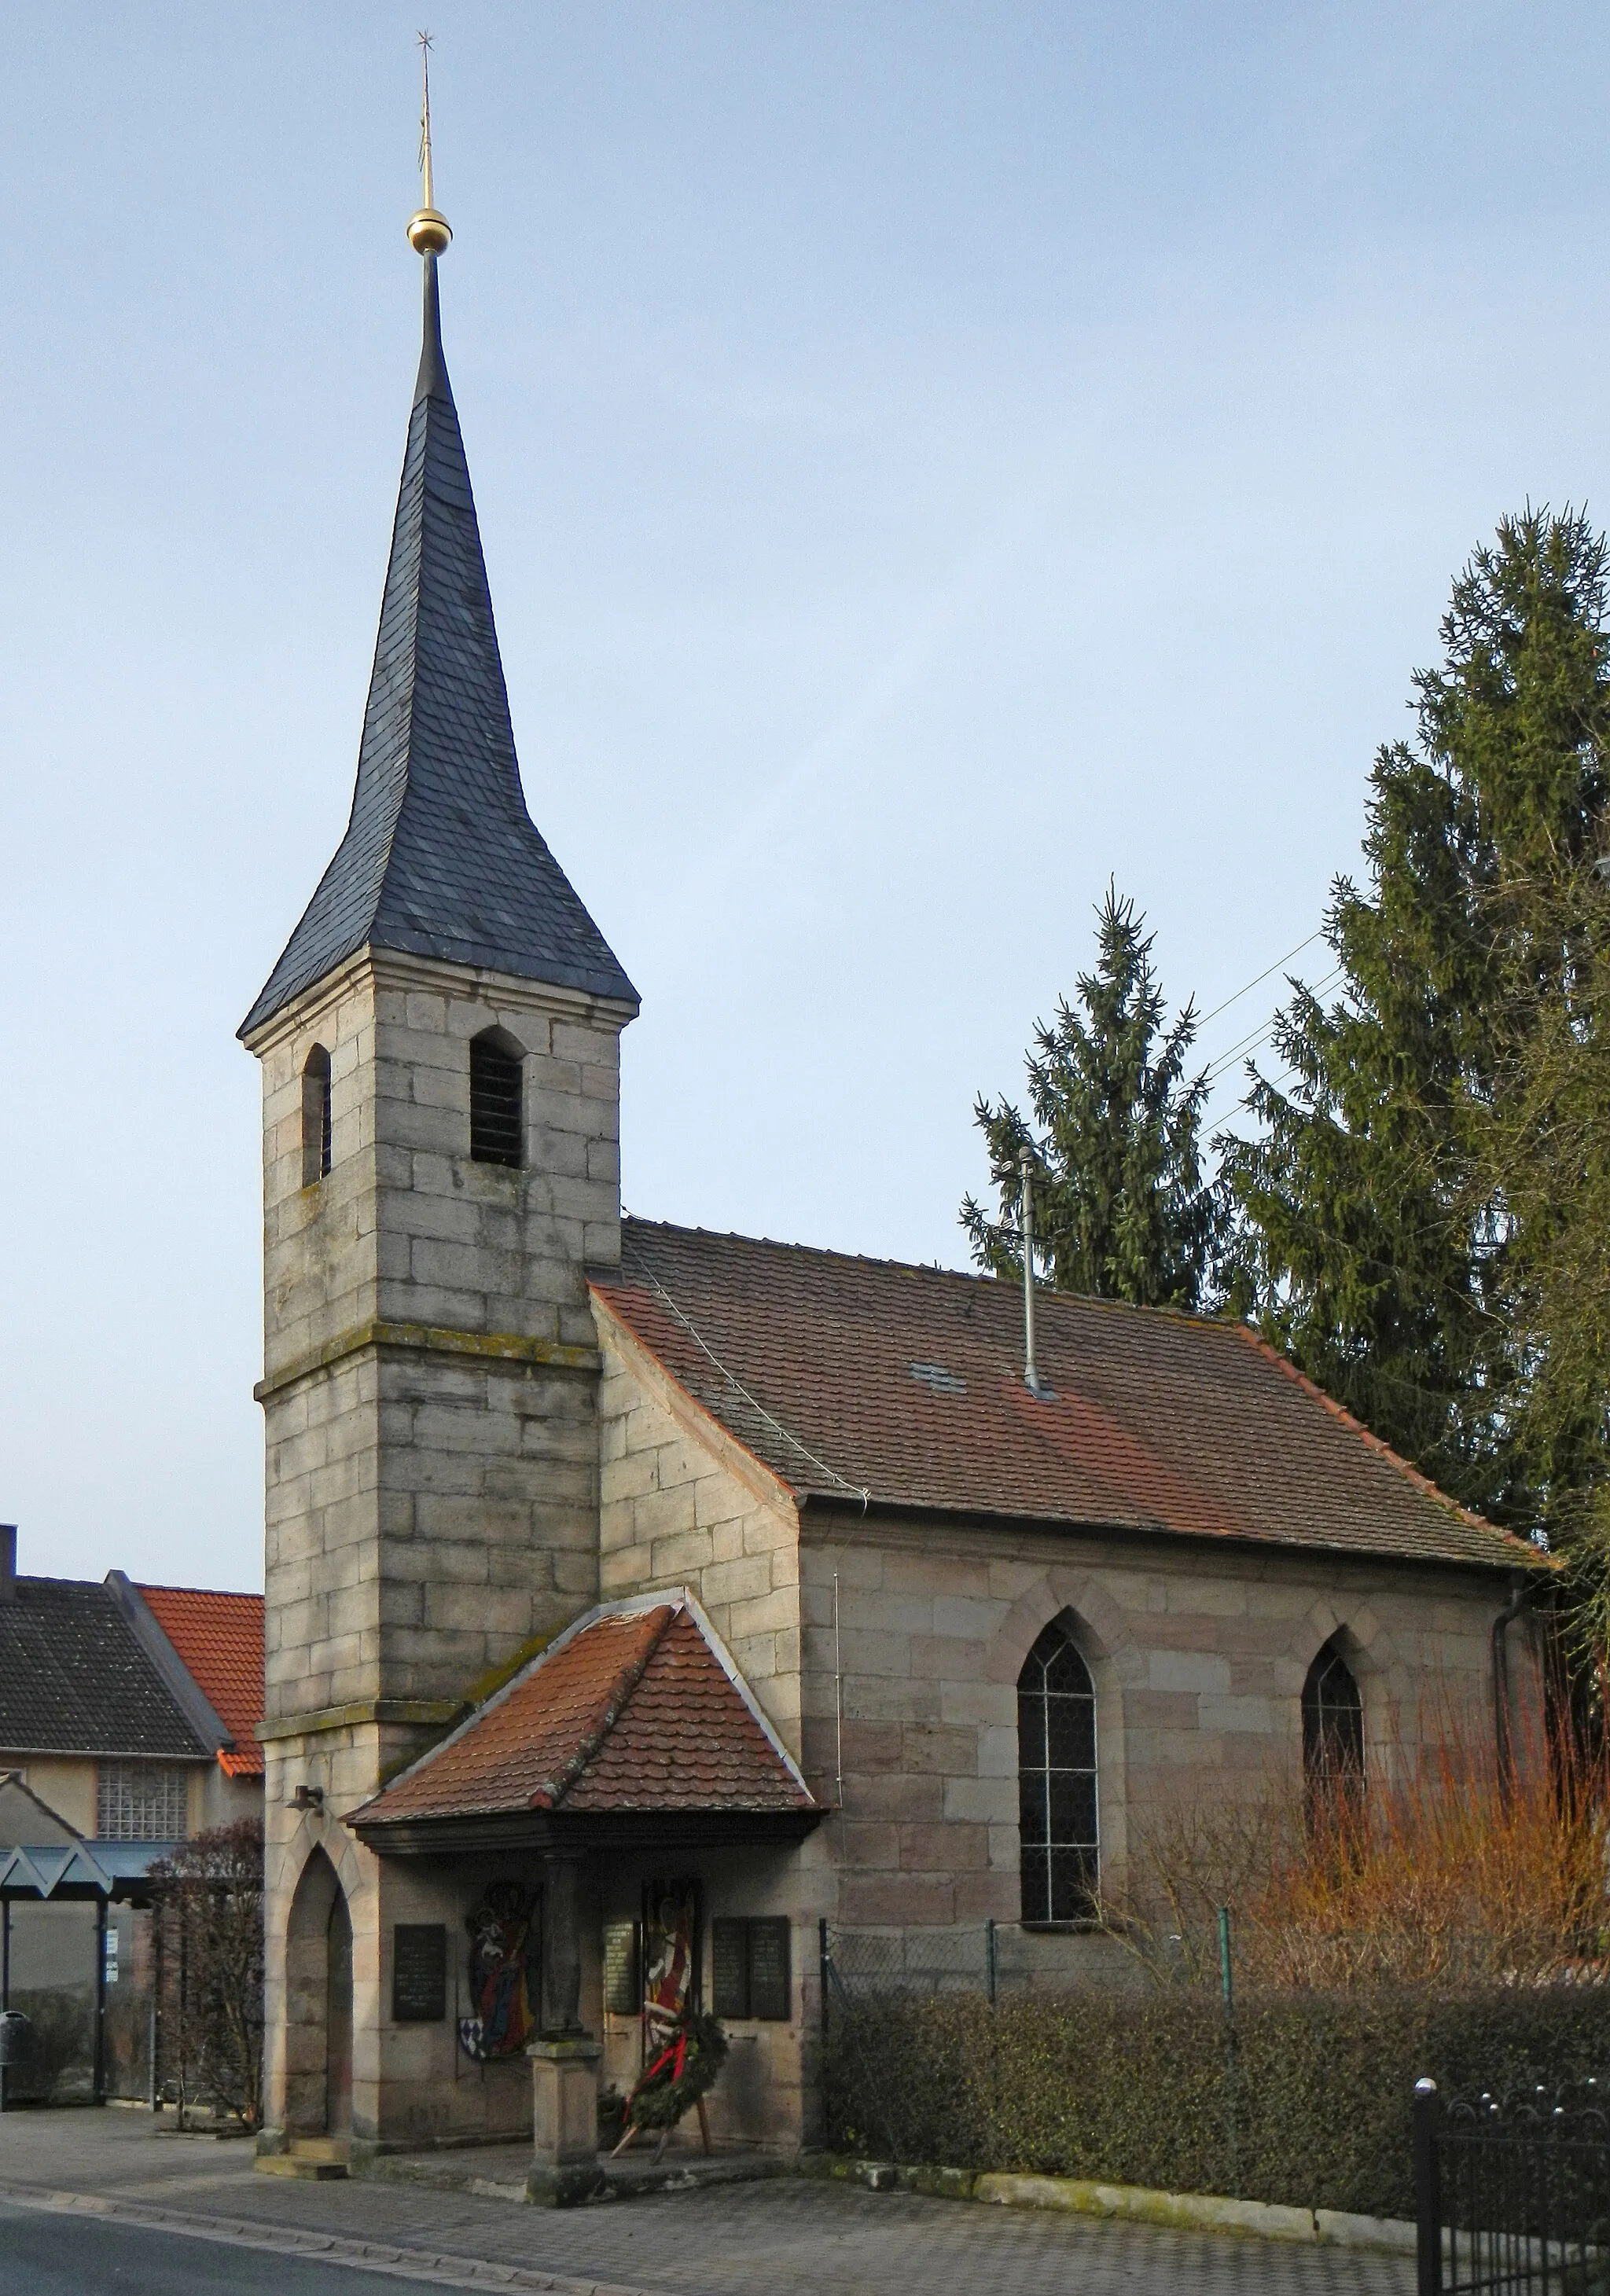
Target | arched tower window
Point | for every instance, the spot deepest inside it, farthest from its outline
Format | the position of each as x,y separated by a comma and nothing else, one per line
1056,1782
315,1116
1333,1730
497,1113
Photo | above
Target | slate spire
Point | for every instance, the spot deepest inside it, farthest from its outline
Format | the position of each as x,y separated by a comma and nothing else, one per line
440,858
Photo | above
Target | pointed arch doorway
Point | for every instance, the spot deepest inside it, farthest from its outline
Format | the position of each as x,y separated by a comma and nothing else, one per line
318,2004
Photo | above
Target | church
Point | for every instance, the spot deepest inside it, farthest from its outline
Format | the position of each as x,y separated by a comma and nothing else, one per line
640,1599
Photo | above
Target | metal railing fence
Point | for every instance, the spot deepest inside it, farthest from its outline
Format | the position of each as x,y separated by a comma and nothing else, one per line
1512,2201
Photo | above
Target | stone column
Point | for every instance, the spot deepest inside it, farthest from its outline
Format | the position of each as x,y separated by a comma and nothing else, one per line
560,2011
565,2060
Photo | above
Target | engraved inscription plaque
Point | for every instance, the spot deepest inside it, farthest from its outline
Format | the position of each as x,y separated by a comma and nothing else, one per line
622,1996
769,1969
751,1967
419,1973
729,1951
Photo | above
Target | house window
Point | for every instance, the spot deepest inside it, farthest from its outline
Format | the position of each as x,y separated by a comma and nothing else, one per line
315,1116
1056,1782
1333,1731
496,1118
142,1802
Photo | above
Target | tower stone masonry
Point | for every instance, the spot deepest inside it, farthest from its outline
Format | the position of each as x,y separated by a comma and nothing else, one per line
431,1364
430,1360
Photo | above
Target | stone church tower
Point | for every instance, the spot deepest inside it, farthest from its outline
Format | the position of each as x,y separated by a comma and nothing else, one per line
439,1046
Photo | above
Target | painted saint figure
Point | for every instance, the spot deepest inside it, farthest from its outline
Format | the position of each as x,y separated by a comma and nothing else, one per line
501,1937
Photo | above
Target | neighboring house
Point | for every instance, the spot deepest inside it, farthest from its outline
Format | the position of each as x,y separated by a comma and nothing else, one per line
217,1638
638,1598
130,1710
126,1723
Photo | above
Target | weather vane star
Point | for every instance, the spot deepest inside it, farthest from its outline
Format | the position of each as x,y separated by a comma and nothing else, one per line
429,232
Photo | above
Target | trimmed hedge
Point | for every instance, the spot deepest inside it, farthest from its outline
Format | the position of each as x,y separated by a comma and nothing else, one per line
1141,2094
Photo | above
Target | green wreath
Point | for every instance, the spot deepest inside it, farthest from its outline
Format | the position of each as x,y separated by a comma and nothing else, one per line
684,2070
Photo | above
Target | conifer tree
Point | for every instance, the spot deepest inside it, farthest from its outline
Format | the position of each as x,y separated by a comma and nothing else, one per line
1389,1212
1121,1207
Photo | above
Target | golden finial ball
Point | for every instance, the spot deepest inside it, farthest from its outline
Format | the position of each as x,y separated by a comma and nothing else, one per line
428,232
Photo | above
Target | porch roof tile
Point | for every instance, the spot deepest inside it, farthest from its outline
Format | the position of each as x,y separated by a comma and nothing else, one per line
635,1710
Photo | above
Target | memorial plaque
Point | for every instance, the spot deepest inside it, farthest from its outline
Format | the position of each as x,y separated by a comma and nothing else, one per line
729,1951
751,1967
768,1987
621,1995
419,1973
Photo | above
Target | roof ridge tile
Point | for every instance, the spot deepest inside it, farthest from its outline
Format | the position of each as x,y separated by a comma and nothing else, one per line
553,1791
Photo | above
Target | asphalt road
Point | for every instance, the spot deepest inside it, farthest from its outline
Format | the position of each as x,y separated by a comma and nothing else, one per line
92,2202
44,2254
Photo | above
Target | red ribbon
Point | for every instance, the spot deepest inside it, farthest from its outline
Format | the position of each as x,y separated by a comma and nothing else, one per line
677,2050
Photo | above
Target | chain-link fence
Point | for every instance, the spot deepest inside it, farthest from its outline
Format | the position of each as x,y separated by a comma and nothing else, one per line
994,1959
998,1959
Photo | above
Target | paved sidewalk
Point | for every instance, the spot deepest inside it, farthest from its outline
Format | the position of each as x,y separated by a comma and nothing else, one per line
790,2237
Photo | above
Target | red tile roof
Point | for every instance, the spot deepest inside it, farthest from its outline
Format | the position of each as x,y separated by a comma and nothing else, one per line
633,1710
220,1639
849,1376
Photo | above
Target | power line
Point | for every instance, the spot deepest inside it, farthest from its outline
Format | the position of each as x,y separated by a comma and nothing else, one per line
1264,975
857,1490
1256,1037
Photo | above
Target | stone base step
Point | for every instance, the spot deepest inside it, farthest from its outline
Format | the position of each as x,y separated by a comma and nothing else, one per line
320,2159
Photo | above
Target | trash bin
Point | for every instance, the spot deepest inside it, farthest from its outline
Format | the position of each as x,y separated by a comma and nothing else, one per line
16,2038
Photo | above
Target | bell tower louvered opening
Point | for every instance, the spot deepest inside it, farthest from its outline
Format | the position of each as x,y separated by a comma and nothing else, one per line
496,1111
316,1126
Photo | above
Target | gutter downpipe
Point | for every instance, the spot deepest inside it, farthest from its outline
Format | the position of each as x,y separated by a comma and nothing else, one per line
1519,1595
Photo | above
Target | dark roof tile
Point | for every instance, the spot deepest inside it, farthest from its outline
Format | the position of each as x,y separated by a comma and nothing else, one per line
74,1680
846,1376
441,857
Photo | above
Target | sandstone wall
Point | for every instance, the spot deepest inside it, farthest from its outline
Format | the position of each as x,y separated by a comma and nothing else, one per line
1198,1658
429,1348
681,1504
430,1394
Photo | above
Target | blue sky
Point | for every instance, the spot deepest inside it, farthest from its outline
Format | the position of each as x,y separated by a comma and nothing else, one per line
931,458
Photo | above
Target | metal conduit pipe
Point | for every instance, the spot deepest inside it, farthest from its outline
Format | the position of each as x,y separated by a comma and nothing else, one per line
1519,1595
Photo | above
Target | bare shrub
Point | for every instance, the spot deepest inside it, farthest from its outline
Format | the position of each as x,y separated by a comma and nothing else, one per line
1442,1873
208,1901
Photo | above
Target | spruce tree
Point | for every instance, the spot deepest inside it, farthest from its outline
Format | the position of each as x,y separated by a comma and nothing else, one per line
1121,1206
1385,1219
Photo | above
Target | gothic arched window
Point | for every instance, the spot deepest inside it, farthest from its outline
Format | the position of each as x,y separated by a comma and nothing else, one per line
497,1115
1056,1782
315,1116
1333,1730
